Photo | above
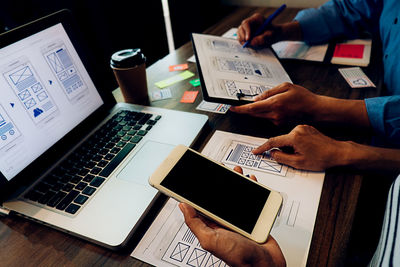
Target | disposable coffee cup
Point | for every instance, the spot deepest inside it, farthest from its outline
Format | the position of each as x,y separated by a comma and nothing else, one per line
129,67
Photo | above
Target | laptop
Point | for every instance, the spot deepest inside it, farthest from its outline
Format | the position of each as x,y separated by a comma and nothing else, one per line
70,157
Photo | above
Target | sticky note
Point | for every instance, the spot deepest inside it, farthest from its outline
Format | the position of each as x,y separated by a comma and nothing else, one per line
161,94
195,82
213,107
189,96
174,79
178,67
356,78
349,50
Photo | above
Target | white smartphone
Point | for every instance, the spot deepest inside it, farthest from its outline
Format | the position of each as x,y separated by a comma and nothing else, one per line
226,196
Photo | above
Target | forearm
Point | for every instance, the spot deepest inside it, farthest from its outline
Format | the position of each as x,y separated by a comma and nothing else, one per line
365,157
341,111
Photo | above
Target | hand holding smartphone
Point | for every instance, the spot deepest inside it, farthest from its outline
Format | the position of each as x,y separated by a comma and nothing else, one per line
229,198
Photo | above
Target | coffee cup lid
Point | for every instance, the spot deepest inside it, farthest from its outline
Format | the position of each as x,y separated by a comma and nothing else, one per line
127,58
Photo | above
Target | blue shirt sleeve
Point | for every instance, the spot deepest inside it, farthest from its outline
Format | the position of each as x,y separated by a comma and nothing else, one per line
339,19
384,116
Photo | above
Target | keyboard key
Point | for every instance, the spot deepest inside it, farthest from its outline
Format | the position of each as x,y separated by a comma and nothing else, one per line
72,208
115,150
76,179
157,117
151,122
83,172
120,144
95,170
88,178
81,186
109,156
136,139
88,190
56,199
46,197
97,181
102,163
81,199
142,132
67,200
117,160
132,132
33,195
68,187
148,128
145,118
126,138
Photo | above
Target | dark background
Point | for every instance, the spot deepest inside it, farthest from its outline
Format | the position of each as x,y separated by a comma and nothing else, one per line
109,26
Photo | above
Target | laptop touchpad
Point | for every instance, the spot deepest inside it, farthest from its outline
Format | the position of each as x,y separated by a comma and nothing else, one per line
145,162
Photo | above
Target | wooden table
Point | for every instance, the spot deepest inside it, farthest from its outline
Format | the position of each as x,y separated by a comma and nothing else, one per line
25,242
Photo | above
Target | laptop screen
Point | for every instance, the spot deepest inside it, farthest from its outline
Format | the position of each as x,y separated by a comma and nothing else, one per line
45,91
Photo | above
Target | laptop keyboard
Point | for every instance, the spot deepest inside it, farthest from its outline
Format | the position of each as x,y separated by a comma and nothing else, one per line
69,186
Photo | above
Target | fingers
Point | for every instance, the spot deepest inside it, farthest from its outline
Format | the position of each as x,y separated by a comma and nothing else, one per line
281,88
251,108
247,27
262,106
285,158
238,169
275,142
253,177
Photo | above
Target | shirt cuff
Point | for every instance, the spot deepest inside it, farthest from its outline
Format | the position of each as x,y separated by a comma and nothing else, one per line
376,110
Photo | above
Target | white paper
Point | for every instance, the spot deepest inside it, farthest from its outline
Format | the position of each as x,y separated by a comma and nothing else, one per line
168,242
300,50
231,33
228,68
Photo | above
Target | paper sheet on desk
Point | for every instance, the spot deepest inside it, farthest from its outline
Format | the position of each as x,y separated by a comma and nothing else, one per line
227,68
168,242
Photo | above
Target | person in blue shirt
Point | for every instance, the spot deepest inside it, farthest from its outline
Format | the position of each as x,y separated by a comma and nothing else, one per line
312,149
335,19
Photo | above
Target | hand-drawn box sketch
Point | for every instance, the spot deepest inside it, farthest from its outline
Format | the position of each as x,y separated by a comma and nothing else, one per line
239,153
29,89
64,69
248,89
185,250
8,130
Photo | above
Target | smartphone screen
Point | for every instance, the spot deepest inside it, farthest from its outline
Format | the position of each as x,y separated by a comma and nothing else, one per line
218,190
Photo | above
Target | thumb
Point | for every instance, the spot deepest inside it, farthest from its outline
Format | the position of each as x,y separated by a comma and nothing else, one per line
281,88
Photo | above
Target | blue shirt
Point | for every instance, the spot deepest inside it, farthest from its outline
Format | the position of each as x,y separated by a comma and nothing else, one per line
348,19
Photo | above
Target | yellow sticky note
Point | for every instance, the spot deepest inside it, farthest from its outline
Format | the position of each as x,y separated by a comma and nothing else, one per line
174,79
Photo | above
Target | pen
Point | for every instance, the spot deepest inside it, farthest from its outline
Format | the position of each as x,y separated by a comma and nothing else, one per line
265,24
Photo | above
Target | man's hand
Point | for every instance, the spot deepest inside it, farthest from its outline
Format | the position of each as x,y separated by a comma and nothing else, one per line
311,149
273,34
233,248
282,104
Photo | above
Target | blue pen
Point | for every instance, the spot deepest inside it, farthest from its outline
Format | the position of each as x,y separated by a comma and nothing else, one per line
265,24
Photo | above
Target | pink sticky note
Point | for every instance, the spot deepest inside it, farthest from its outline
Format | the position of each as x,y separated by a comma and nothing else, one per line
189,96
349,50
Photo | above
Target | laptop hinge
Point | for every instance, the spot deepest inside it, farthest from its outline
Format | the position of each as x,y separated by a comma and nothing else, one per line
4,211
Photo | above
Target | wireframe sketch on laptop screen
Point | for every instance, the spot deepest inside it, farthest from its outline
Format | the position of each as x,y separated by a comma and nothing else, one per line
45,92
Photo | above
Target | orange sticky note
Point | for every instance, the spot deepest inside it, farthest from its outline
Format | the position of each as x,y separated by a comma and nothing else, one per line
178,67
189,96
349,50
